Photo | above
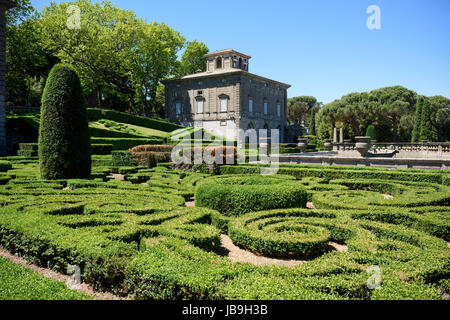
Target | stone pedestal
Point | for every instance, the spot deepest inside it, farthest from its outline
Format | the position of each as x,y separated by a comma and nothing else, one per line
303,144
328,145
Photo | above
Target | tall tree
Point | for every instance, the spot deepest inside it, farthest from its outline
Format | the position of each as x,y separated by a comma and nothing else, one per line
427,130
193,58
28,63
392,103
418,119
117,55
299,107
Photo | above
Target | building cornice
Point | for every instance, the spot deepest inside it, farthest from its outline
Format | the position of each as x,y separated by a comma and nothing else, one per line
226,52
239,72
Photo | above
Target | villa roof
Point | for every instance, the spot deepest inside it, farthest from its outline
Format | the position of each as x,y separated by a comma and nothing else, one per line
226,51
226,72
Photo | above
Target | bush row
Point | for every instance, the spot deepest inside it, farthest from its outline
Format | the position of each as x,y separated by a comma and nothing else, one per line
237,195
125,143
330,173
97,114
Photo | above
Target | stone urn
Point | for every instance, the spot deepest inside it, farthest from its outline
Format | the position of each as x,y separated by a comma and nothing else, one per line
302,144
328,145
363,145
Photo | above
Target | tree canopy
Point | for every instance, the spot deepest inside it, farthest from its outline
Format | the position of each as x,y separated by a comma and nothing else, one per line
395,113
119,57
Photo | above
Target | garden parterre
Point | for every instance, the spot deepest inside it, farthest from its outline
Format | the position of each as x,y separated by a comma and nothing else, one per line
140,240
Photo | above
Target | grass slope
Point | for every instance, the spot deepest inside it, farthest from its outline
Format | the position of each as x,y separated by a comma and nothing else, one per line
20,283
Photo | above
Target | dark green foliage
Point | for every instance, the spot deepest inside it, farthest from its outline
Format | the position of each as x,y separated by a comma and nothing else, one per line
122,159
29,146
102,149
426,128
371,132
64,146
28,150
418,120
150,159
312,123
237,195
5,166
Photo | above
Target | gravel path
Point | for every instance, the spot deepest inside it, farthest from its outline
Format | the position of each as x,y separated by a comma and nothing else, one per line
236,254
84,288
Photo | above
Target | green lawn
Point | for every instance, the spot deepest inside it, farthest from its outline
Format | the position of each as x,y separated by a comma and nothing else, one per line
20,283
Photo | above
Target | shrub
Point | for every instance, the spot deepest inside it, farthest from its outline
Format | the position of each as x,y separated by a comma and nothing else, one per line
125,143
152,148
64,146
150,159
102,149
237,195
122,159
371,132
29,146
5,166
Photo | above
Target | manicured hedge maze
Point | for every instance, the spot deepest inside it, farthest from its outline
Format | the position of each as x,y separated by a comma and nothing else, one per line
137,236
237,195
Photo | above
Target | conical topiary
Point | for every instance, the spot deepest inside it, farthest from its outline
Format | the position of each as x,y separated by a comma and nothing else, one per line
371,132
64,143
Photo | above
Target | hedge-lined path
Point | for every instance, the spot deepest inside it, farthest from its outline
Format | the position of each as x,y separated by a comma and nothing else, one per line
190,203
230,250
236,254
84,288
117,176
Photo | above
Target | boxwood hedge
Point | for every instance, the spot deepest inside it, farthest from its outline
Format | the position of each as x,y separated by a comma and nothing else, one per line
237,195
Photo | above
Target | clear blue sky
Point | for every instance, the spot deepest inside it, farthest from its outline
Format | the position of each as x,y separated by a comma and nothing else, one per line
323,48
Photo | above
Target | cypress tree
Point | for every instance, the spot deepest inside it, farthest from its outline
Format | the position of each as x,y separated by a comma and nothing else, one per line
371,132
64,143
426,127
415,136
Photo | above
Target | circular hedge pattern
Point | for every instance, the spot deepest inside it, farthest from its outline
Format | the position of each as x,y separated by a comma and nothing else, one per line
142,240
240,194
280,234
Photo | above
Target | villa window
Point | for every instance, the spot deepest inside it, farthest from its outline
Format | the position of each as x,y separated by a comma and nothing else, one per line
200,103
250,105
219,63
279,110
223,104
178,108
266,107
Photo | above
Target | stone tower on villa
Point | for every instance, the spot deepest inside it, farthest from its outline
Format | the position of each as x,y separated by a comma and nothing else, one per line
227,97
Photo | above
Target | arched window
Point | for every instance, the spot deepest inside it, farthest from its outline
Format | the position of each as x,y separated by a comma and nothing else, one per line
279,109
240,63
266,107
250,104
219,63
